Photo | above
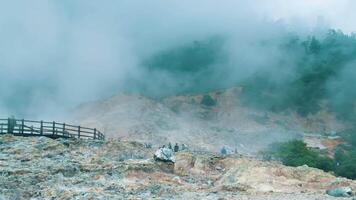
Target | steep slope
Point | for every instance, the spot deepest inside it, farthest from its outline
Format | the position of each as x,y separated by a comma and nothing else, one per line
202,121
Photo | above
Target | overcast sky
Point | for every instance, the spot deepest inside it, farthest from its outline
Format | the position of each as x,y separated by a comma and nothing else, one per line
338,14
57,54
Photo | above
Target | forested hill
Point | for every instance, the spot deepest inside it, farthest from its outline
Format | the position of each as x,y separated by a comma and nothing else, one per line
302,73
323,69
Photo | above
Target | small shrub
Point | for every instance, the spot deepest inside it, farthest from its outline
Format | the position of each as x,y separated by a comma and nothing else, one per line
208,101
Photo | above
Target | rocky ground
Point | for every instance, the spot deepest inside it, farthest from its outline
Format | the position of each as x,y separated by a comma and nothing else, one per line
42,168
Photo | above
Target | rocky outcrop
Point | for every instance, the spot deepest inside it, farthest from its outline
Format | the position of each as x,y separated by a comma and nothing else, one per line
164,154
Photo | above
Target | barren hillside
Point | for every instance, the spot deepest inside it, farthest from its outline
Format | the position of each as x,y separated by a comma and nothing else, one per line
203,121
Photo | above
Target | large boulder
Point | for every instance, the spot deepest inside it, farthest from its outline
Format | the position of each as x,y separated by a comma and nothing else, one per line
164,154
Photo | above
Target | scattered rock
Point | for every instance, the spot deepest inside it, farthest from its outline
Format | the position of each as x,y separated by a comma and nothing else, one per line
68,170
340,192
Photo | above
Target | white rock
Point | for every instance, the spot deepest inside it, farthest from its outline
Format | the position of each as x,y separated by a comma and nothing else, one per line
164,154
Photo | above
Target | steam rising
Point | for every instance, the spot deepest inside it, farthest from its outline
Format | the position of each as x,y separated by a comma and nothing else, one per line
55,55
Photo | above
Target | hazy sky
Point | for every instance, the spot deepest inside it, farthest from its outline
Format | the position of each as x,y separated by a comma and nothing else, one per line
57,54
336,13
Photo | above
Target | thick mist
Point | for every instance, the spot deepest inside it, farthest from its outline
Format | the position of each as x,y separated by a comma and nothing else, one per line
56,55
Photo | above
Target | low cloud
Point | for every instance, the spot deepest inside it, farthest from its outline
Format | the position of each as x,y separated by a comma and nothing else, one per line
55,55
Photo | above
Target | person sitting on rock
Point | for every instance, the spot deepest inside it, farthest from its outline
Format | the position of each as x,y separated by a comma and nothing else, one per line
176,148
170,146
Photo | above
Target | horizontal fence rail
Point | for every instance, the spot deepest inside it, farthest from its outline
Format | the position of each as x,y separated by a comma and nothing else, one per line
53,129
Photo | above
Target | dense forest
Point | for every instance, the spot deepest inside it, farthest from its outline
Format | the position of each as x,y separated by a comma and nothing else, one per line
322,73
318,72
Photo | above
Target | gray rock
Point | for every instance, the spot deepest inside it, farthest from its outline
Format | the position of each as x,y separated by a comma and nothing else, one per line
164,154
68,170
340,192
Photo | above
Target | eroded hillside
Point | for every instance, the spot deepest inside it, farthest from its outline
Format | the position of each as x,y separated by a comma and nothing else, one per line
203,121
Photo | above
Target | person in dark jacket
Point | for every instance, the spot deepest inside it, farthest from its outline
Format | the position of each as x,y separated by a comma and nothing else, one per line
223,151
176,148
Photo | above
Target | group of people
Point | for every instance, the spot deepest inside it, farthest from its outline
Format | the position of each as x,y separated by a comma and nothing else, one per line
176,147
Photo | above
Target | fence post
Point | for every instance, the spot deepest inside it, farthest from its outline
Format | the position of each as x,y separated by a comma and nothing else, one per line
64,128
41,128
54,128
22,125
78,131
9,129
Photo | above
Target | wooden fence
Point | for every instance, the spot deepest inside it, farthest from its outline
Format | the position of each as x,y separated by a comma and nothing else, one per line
22,127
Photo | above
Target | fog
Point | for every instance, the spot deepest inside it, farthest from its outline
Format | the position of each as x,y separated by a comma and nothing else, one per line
55,55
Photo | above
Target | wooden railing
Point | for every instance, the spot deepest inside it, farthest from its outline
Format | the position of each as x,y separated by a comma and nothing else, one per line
53,129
